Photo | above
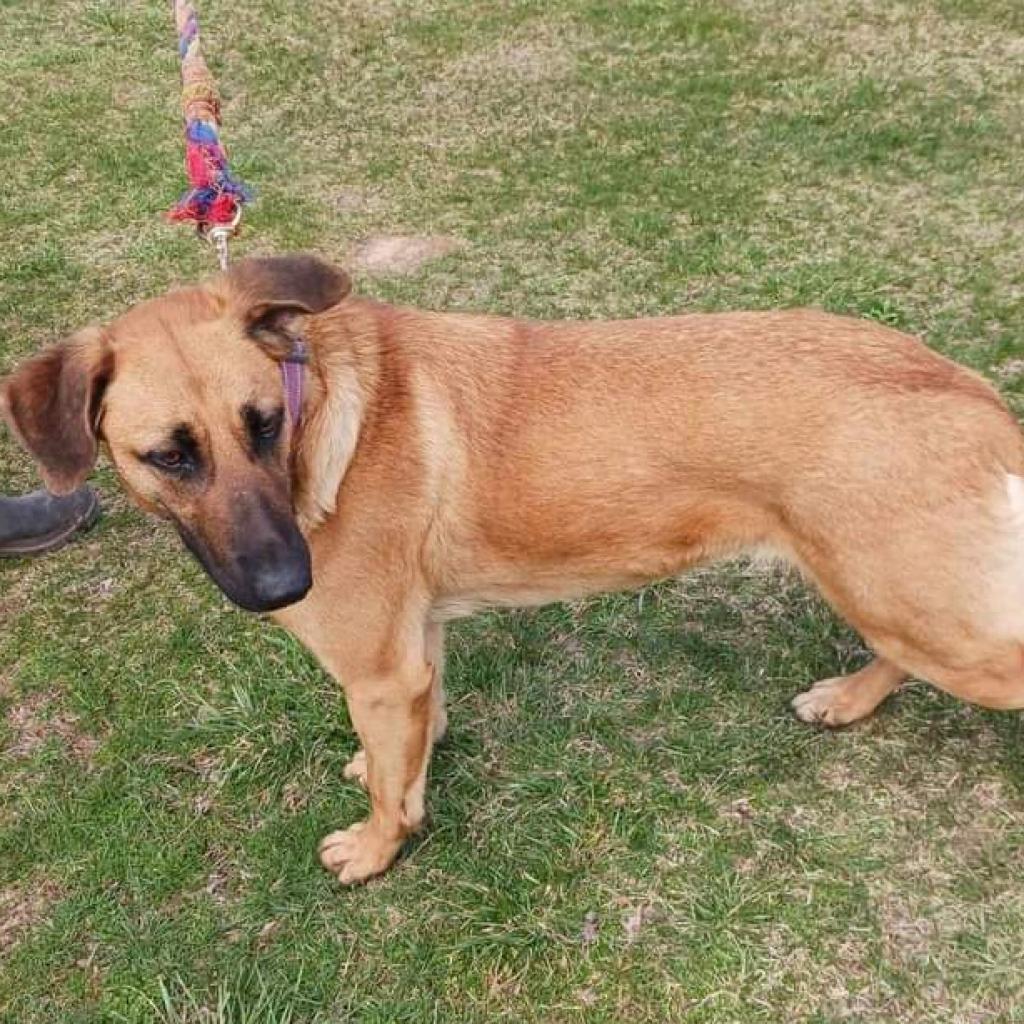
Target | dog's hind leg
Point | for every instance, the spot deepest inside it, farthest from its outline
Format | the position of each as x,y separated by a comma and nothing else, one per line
997,682
845,699
943,602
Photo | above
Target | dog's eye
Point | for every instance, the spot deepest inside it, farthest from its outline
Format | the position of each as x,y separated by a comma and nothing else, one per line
172,460
178,456
263,428
269,428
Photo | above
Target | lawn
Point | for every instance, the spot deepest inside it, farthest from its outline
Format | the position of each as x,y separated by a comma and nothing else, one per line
626,822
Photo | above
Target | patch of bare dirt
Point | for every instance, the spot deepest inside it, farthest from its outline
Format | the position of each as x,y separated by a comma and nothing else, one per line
37,719
402,254
22,908
634,921
907,933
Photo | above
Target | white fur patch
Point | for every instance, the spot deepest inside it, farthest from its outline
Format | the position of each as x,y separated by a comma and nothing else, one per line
328,448
1010,597
1015,492
766,555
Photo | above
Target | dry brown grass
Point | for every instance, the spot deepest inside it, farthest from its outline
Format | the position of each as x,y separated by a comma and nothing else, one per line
891,40
24,907
39,718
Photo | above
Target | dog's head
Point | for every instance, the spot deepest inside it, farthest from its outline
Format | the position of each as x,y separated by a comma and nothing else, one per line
185,392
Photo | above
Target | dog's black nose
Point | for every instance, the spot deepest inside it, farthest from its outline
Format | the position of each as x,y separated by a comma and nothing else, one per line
272,564
280,585
275,580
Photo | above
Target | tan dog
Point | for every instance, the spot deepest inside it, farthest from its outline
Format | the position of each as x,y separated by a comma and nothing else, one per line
445,463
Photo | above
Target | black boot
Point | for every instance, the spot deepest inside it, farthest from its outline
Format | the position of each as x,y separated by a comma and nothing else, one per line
39,522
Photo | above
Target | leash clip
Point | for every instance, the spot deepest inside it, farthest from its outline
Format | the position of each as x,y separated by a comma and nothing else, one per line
218,235
299,353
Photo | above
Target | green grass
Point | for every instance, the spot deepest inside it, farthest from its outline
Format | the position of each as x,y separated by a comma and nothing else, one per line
626,822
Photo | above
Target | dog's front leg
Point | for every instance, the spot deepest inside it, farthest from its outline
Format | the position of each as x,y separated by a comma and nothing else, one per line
394,717
356,768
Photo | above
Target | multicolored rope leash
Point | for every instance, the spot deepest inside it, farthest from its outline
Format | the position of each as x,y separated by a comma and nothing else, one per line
215,199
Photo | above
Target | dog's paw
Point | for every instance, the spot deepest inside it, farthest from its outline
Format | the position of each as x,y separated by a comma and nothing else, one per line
356,768
828,703
357,853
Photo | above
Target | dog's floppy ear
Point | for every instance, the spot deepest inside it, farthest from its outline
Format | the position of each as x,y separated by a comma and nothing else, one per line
270,291
53,402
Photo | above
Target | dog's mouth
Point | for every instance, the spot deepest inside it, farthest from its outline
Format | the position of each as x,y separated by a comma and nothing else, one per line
261,575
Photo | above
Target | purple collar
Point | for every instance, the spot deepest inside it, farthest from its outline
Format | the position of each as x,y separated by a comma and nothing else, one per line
292,377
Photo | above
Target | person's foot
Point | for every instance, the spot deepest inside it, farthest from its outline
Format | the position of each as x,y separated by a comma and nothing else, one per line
33,523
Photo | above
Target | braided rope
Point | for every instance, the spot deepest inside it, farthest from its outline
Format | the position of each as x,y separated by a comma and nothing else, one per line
215,196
